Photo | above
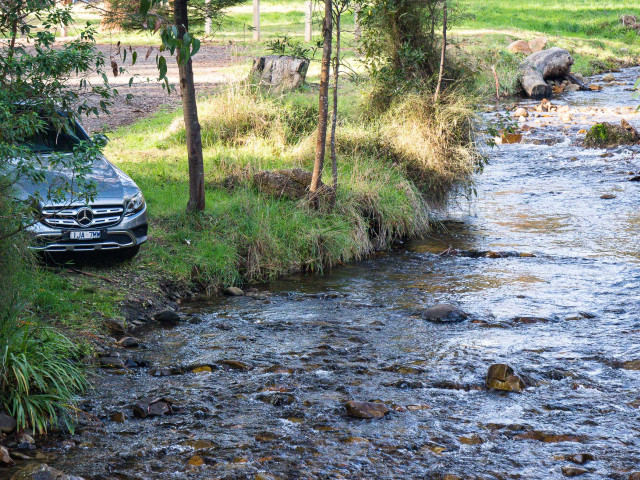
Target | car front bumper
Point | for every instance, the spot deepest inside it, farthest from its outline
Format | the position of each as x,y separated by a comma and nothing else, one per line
129,232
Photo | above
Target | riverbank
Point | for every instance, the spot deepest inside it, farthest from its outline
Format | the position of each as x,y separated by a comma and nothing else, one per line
393,170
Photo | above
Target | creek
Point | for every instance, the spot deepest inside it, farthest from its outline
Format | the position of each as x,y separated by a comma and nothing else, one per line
549,273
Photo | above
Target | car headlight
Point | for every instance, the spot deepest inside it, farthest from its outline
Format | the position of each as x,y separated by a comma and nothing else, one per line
135,204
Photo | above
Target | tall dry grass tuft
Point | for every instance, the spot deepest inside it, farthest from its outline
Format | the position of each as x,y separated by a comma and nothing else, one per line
434,141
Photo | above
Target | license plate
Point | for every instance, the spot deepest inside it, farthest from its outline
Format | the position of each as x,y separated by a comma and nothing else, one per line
84,235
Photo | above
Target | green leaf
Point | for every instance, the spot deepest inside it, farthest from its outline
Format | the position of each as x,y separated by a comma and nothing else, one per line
134,57
196,46
144,7
162,67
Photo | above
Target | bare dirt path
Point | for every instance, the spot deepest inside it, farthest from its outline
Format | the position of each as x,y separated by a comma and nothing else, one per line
211,66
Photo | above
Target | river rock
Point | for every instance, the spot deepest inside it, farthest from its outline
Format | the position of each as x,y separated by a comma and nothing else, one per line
501,376
368,410
5,458
128,342
42,471
118,417
520,46
111,362
167,317
7,423
152,407
606,135
580,458
233,292
236,365
573,471
444,313
280,71
521,112
634,476
608,78
116,325
277,399
547,437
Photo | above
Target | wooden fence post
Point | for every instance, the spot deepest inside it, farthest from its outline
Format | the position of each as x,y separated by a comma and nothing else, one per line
207,19
256,20
308,22
356,22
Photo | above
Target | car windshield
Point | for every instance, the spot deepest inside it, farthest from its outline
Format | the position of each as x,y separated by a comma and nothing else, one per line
52,140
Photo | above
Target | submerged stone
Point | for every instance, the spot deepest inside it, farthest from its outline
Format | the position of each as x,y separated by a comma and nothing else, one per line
233,291
277,399
368,410
580,458
501,376
167,317
444,313
41,471
152,407
573,471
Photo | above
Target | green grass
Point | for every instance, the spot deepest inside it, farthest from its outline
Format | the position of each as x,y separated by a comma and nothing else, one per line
244,235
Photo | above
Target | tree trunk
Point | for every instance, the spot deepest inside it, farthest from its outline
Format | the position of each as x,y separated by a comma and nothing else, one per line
544,65
444,50
327,31
190,112
357,29
334,117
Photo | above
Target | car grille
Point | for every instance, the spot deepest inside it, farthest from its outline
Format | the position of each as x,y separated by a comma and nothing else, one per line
82,217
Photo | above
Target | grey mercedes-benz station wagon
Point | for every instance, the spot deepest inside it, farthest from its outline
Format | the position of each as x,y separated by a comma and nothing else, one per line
115,220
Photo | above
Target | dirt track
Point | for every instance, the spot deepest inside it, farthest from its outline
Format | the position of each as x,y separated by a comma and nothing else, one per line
148,95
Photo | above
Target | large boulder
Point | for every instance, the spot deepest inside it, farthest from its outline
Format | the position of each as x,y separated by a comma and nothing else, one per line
279,71
606,135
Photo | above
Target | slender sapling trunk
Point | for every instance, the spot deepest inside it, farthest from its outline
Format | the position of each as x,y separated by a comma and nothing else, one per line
444,50
190,112
327,31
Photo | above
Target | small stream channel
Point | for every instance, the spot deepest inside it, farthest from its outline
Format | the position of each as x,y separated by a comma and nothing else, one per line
556,297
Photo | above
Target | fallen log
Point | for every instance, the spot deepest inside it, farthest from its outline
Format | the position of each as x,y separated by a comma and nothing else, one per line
554,63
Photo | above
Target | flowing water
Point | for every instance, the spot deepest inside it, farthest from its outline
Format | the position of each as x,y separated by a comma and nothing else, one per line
548,271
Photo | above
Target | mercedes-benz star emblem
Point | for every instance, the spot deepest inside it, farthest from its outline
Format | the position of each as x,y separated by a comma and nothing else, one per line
84,217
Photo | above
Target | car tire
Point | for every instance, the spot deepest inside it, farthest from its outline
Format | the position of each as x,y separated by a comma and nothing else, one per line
126,253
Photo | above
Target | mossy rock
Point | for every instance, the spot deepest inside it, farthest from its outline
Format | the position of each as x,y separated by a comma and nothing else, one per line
606,135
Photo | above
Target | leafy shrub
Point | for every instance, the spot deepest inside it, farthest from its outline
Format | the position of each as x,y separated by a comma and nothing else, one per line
38,377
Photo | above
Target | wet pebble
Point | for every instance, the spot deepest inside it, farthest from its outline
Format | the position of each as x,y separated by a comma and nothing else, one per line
236,365
118,417
580,458
233,291
501,376
152,407
111,362
573,471
367,410
277,399
128,342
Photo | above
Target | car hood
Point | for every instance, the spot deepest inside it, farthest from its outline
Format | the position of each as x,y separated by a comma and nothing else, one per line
112,184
